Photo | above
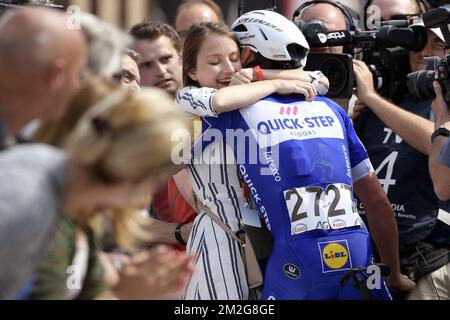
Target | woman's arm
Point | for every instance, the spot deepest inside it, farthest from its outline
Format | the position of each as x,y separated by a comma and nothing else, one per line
296,74
237,96
208,102
248,75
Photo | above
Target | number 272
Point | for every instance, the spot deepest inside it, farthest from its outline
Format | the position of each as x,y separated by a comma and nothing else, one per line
332,212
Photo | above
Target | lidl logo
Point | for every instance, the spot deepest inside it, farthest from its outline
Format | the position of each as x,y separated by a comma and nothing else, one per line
335,255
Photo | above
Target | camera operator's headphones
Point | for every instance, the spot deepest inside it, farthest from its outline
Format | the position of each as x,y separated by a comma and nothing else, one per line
349,17
424,6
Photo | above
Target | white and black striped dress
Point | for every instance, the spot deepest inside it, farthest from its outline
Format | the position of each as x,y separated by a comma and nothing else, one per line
219,268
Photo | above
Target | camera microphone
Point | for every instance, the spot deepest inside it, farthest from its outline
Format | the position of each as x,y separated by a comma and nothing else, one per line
329,39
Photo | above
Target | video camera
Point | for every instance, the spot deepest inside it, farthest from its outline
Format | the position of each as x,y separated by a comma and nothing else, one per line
420,83
386,51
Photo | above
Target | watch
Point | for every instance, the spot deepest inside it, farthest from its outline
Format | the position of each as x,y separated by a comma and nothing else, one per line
315,76
440,132
178,233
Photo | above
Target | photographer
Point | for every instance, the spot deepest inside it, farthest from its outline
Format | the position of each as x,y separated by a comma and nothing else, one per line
330,15
439,161
397,140
333,17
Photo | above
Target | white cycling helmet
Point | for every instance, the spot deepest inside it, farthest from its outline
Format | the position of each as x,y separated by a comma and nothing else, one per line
273,36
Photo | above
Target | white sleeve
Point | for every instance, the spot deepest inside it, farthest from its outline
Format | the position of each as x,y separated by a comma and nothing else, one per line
197,101
317,75
361,170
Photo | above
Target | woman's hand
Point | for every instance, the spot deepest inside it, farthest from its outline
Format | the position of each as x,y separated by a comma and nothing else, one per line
296,87
242,76
112,265
160,273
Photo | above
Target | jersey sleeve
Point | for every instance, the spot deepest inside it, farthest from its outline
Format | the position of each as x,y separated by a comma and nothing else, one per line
359,159
197,101
317,75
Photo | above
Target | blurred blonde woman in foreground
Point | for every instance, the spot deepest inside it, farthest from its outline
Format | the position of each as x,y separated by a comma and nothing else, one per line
122,136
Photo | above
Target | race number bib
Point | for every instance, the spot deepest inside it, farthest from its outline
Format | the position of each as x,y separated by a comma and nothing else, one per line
312,208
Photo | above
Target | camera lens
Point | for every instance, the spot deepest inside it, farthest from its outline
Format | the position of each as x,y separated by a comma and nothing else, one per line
338,68
420,85
337,74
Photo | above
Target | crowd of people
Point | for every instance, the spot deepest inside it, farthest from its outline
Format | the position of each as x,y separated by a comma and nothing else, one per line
96,205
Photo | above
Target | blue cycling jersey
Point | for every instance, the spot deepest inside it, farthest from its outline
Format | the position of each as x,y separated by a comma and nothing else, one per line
299,160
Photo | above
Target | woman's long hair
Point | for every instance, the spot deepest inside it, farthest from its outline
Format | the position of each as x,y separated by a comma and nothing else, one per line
123,136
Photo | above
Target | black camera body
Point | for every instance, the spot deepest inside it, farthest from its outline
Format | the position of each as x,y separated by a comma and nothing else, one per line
443,76
420,83
386,51
390,67
338,68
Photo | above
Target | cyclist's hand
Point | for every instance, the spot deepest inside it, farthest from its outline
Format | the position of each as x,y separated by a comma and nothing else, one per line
401,282
296,86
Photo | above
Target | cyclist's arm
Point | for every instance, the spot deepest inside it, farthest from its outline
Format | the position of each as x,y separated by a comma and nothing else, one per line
439,160
440,172
383,227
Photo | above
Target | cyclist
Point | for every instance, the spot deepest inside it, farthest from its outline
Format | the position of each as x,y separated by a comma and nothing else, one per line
211,62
